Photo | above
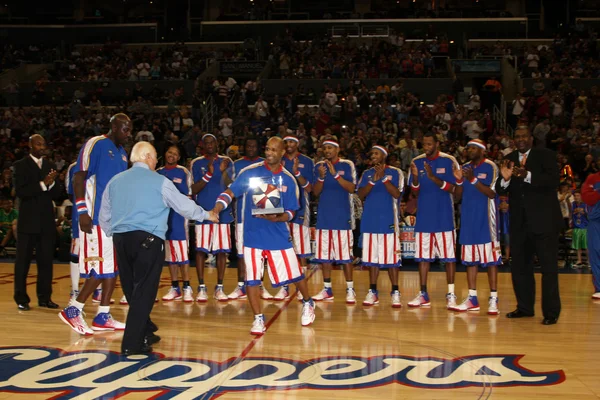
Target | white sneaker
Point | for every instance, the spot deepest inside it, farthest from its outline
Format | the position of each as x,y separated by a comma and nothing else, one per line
422,300
220,294
105,322
174,293
282,294
596,296
325,294
493,306
238,294
123,301
264,293
471,303
451,301
350,296
396,299
308,313
258,326
202,295
188,294
73,317
371,298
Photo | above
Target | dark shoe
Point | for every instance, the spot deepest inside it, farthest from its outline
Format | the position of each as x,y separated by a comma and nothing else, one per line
152,326
48,304
151,339
518,314
549,321
23,307
143,350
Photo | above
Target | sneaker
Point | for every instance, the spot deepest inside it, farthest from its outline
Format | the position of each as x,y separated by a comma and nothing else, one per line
97,296
72,317
350,296
188,294
396,299
422,300
596,296
123,301
173,294
258,326
451,301
105,322
282,294
220,294
238,294
469,304
264,293
493,306
202,295
308,313
372,298
325,294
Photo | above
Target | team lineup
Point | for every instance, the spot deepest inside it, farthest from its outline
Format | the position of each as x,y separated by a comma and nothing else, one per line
280,242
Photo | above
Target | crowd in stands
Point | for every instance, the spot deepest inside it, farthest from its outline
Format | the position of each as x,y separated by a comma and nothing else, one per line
12,56
342,58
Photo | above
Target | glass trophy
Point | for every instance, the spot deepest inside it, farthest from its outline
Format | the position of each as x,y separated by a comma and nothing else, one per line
266,194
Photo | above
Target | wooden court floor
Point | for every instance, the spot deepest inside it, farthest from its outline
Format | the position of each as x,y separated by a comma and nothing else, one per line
350,352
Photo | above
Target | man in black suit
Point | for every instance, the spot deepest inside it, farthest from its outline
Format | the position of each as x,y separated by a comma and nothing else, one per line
530,177
35,186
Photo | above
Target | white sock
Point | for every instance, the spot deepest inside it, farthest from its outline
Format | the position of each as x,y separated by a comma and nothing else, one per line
350,284
472,292
240,284
494,293
74,276
77,304
327,284
451,288
103,309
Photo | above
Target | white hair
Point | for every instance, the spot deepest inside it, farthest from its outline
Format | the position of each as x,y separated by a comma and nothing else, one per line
140,152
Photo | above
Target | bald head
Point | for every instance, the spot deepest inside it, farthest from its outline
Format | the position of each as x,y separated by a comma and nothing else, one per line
274,152
145,153
37,145
120,128
275,141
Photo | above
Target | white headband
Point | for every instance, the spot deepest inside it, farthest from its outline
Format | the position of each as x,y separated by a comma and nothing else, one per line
381,149
331,142
209,134
291,138
476,143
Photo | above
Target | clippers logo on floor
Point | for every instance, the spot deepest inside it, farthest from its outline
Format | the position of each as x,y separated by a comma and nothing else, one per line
103,374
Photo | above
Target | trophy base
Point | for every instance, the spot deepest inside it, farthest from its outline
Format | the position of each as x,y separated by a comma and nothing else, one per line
263,211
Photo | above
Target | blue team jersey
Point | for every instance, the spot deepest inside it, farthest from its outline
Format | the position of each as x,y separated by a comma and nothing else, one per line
69,185
380,211
306,168
102,160
479,214
435,207
182,179
238,166
208,196
580,215
504,214
335,209
260,233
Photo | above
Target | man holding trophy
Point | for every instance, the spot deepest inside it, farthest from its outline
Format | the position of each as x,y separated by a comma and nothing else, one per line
270,202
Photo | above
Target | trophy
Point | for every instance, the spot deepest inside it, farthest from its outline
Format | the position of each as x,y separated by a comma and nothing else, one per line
266,195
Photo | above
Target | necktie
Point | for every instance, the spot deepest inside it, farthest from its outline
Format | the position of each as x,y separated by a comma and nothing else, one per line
523,160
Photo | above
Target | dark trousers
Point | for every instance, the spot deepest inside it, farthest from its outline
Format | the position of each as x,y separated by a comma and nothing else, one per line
44,254
523,245
139,269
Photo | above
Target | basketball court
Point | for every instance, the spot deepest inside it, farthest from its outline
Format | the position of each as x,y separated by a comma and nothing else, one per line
350,352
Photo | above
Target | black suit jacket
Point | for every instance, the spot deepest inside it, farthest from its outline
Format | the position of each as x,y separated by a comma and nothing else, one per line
36,211
534,206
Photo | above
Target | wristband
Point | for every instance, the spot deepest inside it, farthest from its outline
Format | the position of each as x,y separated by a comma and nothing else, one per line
81,206
474,181
305,185
371,183
445,185
297,174
207,177
337,177
224,199
321,179
459,182
412,185
386,179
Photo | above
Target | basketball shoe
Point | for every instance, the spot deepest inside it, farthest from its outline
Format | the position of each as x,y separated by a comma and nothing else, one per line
596,296
258,326
493,306
451,301
97,297
308,313
350,296
72,317
325,294
469,304
105,322
202,296
238,294
264,293
188,294
396,299
173,294
372,298
220,293
422,300
282,294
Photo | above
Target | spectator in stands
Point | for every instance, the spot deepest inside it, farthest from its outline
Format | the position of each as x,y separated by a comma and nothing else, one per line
8,223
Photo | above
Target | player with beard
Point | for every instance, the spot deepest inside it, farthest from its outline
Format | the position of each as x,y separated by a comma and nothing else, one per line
479,233
432,180
334,184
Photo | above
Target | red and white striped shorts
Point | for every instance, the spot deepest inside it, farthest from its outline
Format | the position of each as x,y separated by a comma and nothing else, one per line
213,238
334,245
429,246
381,250
239,239
75,247
481,254
301,239
97,257
283,266
176,252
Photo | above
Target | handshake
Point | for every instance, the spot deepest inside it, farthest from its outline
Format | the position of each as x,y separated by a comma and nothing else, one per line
213,216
